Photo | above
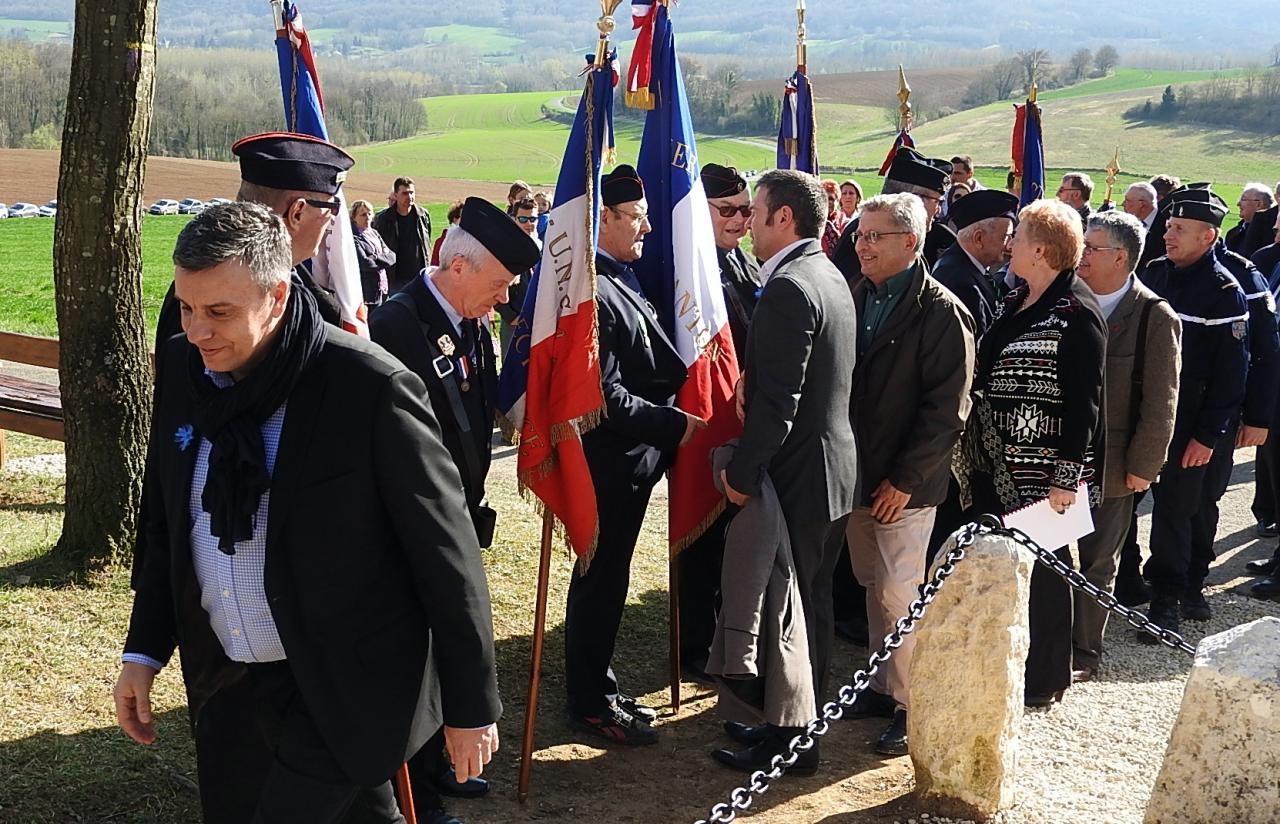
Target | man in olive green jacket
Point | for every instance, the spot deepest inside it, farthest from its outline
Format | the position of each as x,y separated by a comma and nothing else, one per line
1141,397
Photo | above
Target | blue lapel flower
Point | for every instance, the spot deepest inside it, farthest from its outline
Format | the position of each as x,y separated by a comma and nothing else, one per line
184,436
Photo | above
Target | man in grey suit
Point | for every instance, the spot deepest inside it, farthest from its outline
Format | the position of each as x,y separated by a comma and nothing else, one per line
796,427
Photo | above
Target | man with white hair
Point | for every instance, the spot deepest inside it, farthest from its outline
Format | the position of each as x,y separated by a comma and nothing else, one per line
1140,201
1254,198
435,326
909,404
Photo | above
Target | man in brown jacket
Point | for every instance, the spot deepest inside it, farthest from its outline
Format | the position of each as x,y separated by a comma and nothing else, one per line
909,403
1141,398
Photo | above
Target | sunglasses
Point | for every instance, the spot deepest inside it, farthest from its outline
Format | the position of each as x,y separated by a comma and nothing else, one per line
526,218
730,211
333,206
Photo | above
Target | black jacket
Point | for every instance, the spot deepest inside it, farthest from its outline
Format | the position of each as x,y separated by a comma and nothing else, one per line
372,570
387,224
802,355
404,333
976,290
641,372
374,256
740,278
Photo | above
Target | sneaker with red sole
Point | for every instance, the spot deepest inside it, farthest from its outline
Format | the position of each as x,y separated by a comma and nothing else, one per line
615,726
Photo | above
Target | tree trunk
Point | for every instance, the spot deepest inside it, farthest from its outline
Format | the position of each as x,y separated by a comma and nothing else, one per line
104,370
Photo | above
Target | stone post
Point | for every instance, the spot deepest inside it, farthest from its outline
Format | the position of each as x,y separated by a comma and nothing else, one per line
966,683
1223,760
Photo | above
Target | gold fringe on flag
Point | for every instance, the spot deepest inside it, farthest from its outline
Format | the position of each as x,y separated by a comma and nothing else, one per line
640,99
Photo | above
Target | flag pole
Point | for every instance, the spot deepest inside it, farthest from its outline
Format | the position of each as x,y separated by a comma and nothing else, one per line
535,659
673,629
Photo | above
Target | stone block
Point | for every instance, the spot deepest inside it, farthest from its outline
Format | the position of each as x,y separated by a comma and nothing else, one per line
966,683
1223,759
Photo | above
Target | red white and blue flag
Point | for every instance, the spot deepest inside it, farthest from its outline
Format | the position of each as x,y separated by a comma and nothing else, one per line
902,140
335,266
680,273
550,391
798,129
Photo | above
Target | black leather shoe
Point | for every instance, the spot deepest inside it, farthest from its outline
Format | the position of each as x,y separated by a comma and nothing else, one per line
1132,592
1194,607
634,708
446,783
746,733
893,741
616,726
435,815
1265,529
761,756
1163,613
1038,702
1268,587
871,704
1270,566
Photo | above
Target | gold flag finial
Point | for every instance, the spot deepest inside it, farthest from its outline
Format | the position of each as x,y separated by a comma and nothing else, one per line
904,102
1113,169
802,48
606,25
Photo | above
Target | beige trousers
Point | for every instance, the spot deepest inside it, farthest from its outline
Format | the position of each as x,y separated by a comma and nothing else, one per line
888,559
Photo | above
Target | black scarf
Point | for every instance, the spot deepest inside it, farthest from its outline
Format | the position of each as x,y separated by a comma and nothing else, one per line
232,418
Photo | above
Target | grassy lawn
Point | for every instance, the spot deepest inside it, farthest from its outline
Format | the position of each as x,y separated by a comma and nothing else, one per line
26,269
485,40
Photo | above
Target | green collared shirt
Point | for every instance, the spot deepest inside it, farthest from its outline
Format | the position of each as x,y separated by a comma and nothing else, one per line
878,303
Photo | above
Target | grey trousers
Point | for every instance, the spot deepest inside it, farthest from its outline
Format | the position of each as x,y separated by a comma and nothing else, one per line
1099,554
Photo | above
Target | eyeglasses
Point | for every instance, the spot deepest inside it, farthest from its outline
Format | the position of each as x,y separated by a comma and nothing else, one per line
1089,247
730,211
874,237
639,217
1069,189
333,206
526,218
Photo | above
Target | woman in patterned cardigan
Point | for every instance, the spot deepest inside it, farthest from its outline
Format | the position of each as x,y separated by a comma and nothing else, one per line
1037,426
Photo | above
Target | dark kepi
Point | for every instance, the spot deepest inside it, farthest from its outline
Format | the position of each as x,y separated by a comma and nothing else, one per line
1198,204
909,166
722,181
292,162
622,185
501,235
981,205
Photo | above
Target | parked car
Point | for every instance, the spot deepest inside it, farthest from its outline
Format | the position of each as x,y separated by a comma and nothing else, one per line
190,206
164,206
4,211
49,209
216,201
24,210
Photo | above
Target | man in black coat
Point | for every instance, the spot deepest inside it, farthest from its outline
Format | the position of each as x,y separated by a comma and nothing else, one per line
796,427
297,177
914,174
307,550
435,326
627,453
406,227
1254,199
984,221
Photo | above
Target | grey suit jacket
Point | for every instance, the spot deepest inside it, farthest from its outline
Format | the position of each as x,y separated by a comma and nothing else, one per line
760,649
1139,447
801,347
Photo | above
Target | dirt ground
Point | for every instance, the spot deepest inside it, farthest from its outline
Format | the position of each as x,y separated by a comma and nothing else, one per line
32,175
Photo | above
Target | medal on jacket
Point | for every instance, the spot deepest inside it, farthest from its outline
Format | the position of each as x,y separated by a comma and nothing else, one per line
446,345
464,372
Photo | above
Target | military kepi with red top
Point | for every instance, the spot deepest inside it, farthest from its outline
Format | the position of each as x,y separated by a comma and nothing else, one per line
292,162
498,233
622,185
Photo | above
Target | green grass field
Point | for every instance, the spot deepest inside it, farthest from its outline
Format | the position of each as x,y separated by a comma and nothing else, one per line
485,40
26,269
33,29
502,137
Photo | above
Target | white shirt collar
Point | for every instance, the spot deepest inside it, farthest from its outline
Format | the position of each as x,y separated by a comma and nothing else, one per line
766,271
455,318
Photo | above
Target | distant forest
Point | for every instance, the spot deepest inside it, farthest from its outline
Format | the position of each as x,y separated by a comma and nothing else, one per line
206,99
1250,103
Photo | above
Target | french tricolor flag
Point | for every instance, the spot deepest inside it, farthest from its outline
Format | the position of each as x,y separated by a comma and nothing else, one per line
550,392
680,274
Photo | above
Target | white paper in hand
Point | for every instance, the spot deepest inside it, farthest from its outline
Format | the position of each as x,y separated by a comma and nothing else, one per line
1050,529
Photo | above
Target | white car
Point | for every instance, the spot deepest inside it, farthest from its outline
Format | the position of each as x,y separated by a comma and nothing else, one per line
164,206
190,206
24,210
217,201
49,209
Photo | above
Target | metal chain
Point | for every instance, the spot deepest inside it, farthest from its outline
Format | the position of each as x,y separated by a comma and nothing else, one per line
740,799
1105,599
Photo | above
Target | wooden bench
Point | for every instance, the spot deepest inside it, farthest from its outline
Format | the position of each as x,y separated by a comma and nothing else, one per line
28,406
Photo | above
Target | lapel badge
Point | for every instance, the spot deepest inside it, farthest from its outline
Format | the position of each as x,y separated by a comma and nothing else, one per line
446,345
184,435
